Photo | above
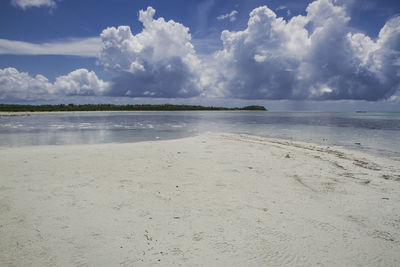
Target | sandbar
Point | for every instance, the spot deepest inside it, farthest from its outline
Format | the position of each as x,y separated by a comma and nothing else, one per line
216,199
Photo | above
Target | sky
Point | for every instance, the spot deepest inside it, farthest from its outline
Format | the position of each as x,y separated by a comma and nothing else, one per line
330,55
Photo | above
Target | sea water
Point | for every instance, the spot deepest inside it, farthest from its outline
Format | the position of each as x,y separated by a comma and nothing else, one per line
376,133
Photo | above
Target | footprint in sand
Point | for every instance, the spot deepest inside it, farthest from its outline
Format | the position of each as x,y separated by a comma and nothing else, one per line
382,235
198,236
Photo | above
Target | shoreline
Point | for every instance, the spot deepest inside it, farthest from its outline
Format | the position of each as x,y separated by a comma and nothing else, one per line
22,113
25,113
212,199
288,141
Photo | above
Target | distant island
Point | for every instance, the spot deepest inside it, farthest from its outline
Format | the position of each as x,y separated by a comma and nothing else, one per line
111,107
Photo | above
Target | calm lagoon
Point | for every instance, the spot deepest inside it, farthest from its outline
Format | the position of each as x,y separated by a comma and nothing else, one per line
378,133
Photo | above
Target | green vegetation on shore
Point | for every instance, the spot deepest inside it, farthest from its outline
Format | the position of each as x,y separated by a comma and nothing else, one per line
111,107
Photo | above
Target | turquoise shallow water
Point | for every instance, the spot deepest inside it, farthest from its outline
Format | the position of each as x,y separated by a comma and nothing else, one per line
378,133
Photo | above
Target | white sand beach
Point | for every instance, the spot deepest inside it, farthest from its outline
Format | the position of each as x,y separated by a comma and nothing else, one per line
210,200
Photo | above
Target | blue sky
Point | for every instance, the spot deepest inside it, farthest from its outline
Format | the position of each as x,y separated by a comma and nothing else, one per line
323,54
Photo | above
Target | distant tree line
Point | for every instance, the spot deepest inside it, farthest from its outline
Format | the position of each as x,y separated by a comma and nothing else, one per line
111,107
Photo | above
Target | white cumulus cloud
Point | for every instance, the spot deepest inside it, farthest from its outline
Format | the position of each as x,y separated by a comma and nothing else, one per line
80,82
315,56
16,85
231,16
24,4
160,61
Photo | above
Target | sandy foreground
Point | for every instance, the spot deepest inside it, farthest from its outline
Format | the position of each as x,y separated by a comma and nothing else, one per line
210,200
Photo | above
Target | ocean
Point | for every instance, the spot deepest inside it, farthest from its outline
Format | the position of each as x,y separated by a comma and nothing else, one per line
374,133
